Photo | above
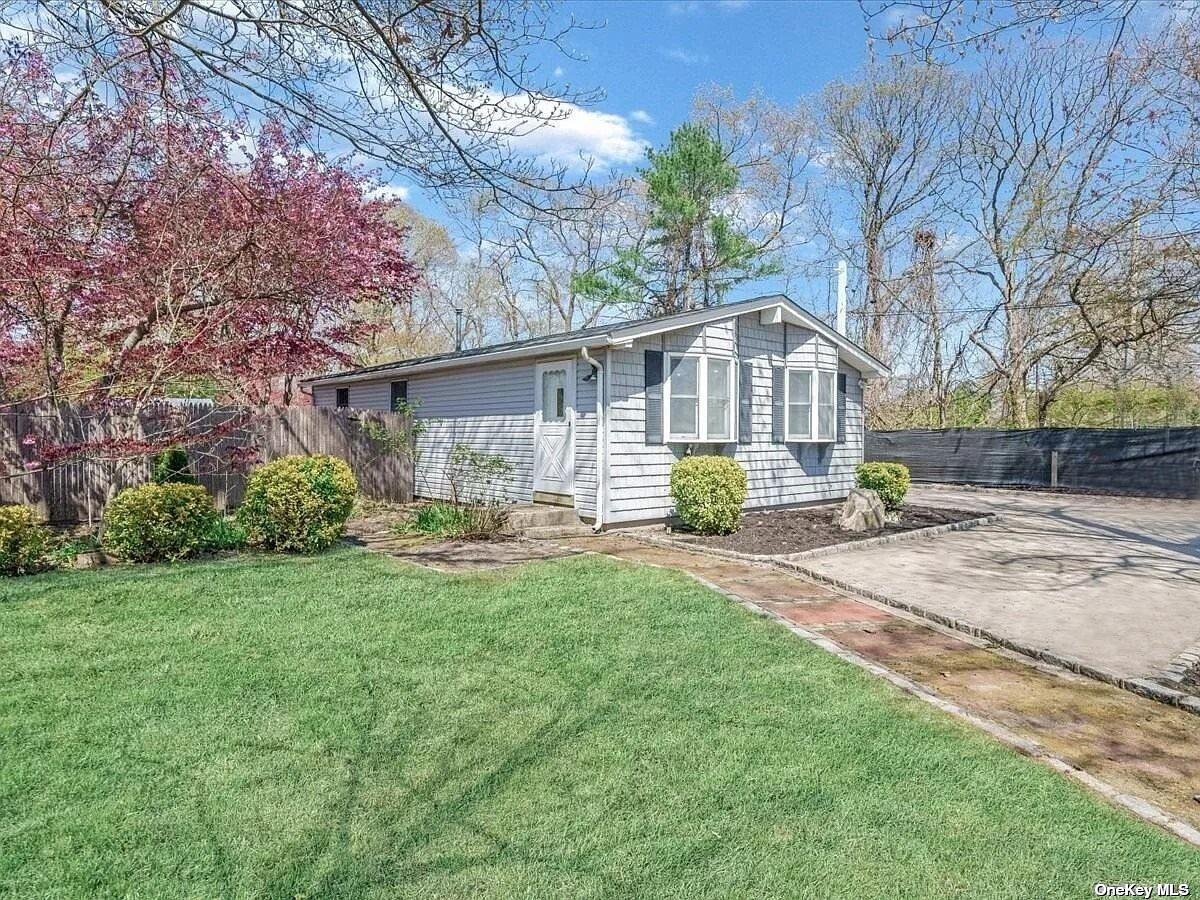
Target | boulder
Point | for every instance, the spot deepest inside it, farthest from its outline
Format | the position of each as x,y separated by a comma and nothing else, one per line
862,511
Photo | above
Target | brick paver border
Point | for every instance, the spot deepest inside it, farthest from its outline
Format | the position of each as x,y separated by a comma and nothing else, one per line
1143,687
1138,806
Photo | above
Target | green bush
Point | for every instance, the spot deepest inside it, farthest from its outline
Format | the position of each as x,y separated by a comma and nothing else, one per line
159,521
172,467
298,504
226,534
709,492
24,544
889,480
450,521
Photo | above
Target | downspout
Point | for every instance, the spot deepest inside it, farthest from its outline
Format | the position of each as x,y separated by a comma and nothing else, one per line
601,440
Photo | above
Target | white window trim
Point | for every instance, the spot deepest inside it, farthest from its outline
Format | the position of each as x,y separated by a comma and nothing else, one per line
813,436
702,400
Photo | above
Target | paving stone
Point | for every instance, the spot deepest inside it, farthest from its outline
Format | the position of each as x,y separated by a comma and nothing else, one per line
828,612
898,639
777,587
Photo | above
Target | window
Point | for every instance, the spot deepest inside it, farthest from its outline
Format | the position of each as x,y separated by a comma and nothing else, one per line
554,395
684,381
811,399
342,399
826,406
719,399
399,393
700,399
799,405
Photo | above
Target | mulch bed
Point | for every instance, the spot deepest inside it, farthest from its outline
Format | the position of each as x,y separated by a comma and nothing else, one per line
796,530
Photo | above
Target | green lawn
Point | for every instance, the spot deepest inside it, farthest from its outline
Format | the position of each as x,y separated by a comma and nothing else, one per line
347,726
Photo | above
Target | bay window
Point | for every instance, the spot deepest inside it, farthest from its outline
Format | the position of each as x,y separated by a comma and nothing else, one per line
699,398
811,404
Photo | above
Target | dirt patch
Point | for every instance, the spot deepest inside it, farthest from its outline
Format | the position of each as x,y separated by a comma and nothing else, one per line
796,530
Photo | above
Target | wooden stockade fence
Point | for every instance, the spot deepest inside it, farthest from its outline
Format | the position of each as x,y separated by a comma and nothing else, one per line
76,490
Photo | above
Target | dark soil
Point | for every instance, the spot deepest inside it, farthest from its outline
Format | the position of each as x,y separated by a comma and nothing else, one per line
796,530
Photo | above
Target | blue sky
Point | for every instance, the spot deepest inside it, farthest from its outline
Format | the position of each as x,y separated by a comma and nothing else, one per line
649,59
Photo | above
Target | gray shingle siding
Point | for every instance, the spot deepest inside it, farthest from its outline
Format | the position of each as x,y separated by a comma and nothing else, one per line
777,474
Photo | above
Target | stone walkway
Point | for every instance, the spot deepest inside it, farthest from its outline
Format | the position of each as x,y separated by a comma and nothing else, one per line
377,532
1139,747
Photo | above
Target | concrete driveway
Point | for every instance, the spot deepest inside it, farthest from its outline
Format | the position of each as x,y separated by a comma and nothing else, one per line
1110,582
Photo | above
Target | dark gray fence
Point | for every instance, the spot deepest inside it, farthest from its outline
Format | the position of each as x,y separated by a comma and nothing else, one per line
1150,462
76,489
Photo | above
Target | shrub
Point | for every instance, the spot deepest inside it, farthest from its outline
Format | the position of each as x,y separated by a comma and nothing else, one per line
226,534
159,521
298,504
69,549
172,467
709,492
888,479
24,544
450,521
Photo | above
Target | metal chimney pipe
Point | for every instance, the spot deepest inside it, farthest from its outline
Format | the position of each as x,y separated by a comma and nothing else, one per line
458,328
841,296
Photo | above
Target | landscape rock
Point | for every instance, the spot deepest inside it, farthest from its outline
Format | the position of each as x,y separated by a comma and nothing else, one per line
862,511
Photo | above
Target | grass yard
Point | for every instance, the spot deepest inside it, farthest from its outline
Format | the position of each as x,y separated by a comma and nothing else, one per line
347,726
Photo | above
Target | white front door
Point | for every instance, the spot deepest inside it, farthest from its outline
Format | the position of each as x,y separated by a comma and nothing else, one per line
554,428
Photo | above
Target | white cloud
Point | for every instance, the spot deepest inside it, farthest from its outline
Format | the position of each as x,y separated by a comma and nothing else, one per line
576,136
559,71
693,7
687,57
640,115
388,192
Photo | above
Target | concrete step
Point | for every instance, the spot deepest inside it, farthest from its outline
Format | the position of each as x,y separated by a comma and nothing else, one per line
550,532
537,515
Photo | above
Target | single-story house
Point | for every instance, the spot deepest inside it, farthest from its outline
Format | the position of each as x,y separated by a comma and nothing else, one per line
595,418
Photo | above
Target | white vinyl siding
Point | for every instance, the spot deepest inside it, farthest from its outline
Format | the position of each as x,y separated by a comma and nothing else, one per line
490,409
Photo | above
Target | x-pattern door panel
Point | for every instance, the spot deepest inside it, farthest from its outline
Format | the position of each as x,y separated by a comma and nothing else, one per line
554,428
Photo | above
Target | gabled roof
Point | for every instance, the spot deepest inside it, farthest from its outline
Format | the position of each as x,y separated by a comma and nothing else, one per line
615,334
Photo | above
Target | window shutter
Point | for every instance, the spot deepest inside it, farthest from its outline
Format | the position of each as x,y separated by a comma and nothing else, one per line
745,403
654,395
342,398
778,373
399,393
841,408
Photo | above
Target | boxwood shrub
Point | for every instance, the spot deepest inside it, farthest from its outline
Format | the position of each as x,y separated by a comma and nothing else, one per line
298,504
24,544
709,492
888,479
172,467
159,522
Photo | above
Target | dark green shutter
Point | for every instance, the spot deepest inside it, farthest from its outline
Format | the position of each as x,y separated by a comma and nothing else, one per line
841,408
654,397
746,403
778,373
